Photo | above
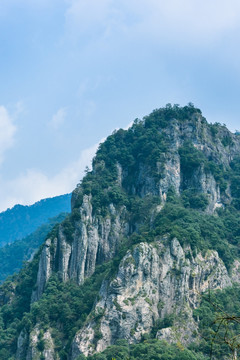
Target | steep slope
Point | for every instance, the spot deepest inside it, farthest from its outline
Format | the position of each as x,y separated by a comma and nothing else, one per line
20,221
154,225
151,282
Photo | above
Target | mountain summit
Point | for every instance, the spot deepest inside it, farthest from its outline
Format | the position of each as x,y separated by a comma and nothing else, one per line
154,225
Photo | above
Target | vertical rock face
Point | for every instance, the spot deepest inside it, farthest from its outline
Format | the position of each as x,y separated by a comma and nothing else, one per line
152,282
44,271
169,174
171,177
22,345
208,185
37,345
205,183
40,346
95,240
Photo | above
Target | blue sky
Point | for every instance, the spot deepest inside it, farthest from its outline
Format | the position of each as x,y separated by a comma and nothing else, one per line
74,70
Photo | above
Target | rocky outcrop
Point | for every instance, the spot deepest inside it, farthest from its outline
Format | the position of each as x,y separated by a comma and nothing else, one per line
44,271
205,183
37,345
153,282
235,273
169,175
22,345
95,240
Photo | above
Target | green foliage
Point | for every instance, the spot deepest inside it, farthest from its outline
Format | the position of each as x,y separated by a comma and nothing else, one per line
64,307
235,179
194,200
17,293
214,331
140,208
68,228
41,341
102,186
167,321
139,144
220,174
148,350
214,128
227,140
200,230
143,144
190,158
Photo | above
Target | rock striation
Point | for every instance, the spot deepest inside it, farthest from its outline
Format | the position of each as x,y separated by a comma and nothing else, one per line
95,240
152,282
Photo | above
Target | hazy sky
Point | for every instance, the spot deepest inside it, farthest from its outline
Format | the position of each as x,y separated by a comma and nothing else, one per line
72,71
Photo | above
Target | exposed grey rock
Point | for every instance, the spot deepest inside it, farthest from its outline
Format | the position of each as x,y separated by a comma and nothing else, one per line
34,352
95,240
22,345
168,168
171,177
44,271
151,283
236,271
120,174
63,253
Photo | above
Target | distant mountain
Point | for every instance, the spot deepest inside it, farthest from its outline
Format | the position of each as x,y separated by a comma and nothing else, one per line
20,221
13,255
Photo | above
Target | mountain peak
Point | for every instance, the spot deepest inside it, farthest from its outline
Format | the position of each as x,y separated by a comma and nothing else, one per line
159,152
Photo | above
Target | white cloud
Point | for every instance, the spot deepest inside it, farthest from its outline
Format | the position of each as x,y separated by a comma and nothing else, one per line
58,119
33,185
7,131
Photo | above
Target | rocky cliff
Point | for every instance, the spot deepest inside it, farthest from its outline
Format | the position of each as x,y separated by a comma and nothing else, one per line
154,222
152,282
96,238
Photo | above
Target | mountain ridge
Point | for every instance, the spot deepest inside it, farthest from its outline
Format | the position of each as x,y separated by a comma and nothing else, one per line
21,220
